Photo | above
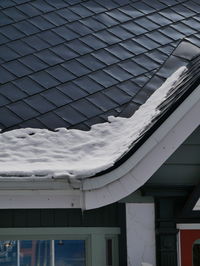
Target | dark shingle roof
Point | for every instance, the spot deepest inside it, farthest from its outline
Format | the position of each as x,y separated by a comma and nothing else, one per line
70,63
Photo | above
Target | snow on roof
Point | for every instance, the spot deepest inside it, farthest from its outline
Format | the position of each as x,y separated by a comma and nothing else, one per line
40,153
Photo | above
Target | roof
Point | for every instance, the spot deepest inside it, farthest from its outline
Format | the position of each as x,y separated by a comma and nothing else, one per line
73,64
76,154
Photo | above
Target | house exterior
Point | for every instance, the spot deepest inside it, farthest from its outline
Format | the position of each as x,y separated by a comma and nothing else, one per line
119,73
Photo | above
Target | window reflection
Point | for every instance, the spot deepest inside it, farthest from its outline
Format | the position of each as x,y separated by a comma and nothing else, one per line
8,253
70,252
196,253
34,252
42,253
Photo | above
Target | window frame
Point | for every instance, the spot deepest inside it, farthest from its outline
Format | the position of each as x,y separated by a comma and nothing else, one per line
95,239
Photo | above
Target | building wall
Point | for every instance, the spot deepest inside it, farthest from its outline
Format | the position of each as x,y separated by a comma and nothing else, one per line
183,166
140,219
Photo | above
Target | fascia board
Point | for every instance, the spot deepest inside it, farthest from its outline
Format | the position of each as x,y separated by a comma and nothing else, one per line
42,199
119,183
132,174
157,136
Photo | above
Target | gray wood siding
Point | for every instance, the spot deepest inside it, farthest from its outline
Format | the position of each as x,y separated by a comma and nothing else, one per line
183,167
109,216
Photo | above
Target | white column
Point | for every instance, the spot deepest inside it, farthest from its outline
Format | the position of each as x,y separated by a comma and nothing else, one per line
140,219
52,252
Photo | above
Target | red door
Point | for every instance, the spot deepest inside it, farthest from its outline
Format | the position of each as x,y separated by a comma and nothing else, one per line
187,239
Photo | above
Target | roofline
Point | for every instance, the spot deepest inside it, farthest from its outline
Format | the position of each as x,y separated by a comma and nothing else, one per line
140,166
120,182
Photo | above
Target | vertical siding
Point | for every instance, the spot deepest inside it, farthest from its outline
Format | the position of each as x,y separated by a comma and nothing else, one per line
103,217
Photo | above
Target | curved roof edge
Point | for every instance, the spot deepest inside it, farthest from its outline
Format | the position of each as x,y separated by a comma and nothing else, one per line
108,188
136,170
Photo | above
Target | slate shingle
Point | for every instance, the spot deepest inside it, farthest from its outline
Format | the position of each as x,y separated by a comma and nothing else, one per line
72,90
106,20
41,23
11,32
91,62
54,18
106,57
133,47
7,53
133,68
36,42
79,47
129,87
64,52
8,118
93,24
12,92
33,62
23,110
79,28
102,101
118,73
118,15
87,59
144,8
44,79
156,17
29,10
21,47
94,6
39,103
65,33
56,97
134,28
88,84
103,78
51,37
76,68
93,42
131,11
86,108
17,68
107,37
70,115
147,24
120,32
5,20
120,52
49,57
117,95
81,11
66,13
5,75
50,120
60,73
26,27
28,86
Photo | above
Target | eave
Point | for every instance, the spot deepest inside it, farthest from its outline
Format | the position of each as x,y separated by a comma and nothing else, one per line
120,182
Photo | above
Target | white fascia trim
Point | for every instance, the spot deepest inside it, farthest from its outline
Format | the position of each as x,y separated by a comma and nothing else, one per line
133,173
119,183
42,199
188,226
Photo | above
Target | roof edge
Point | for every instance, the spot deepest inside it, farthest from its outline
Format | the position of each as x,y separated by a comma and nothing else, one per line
136,170
122,181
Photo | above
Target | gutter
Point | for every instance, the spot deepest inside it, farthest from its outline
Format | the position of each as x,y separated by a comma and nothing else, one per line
139,167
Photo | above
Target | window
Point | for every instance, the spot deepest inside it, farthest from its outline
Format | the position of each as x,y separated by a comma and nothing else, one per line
72,246
196,253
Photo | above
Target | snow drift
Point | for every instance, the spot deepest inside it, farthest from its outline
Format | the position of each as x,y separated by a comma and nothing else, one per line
40,153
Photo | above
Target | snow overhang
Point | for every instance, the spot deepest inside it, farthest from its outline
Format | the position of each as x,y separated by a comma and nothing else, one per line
135,171
74,154
89,193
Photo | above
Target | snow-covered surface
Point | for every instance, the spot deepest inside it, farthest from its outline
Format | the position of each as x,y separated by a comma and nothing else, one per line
40,153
